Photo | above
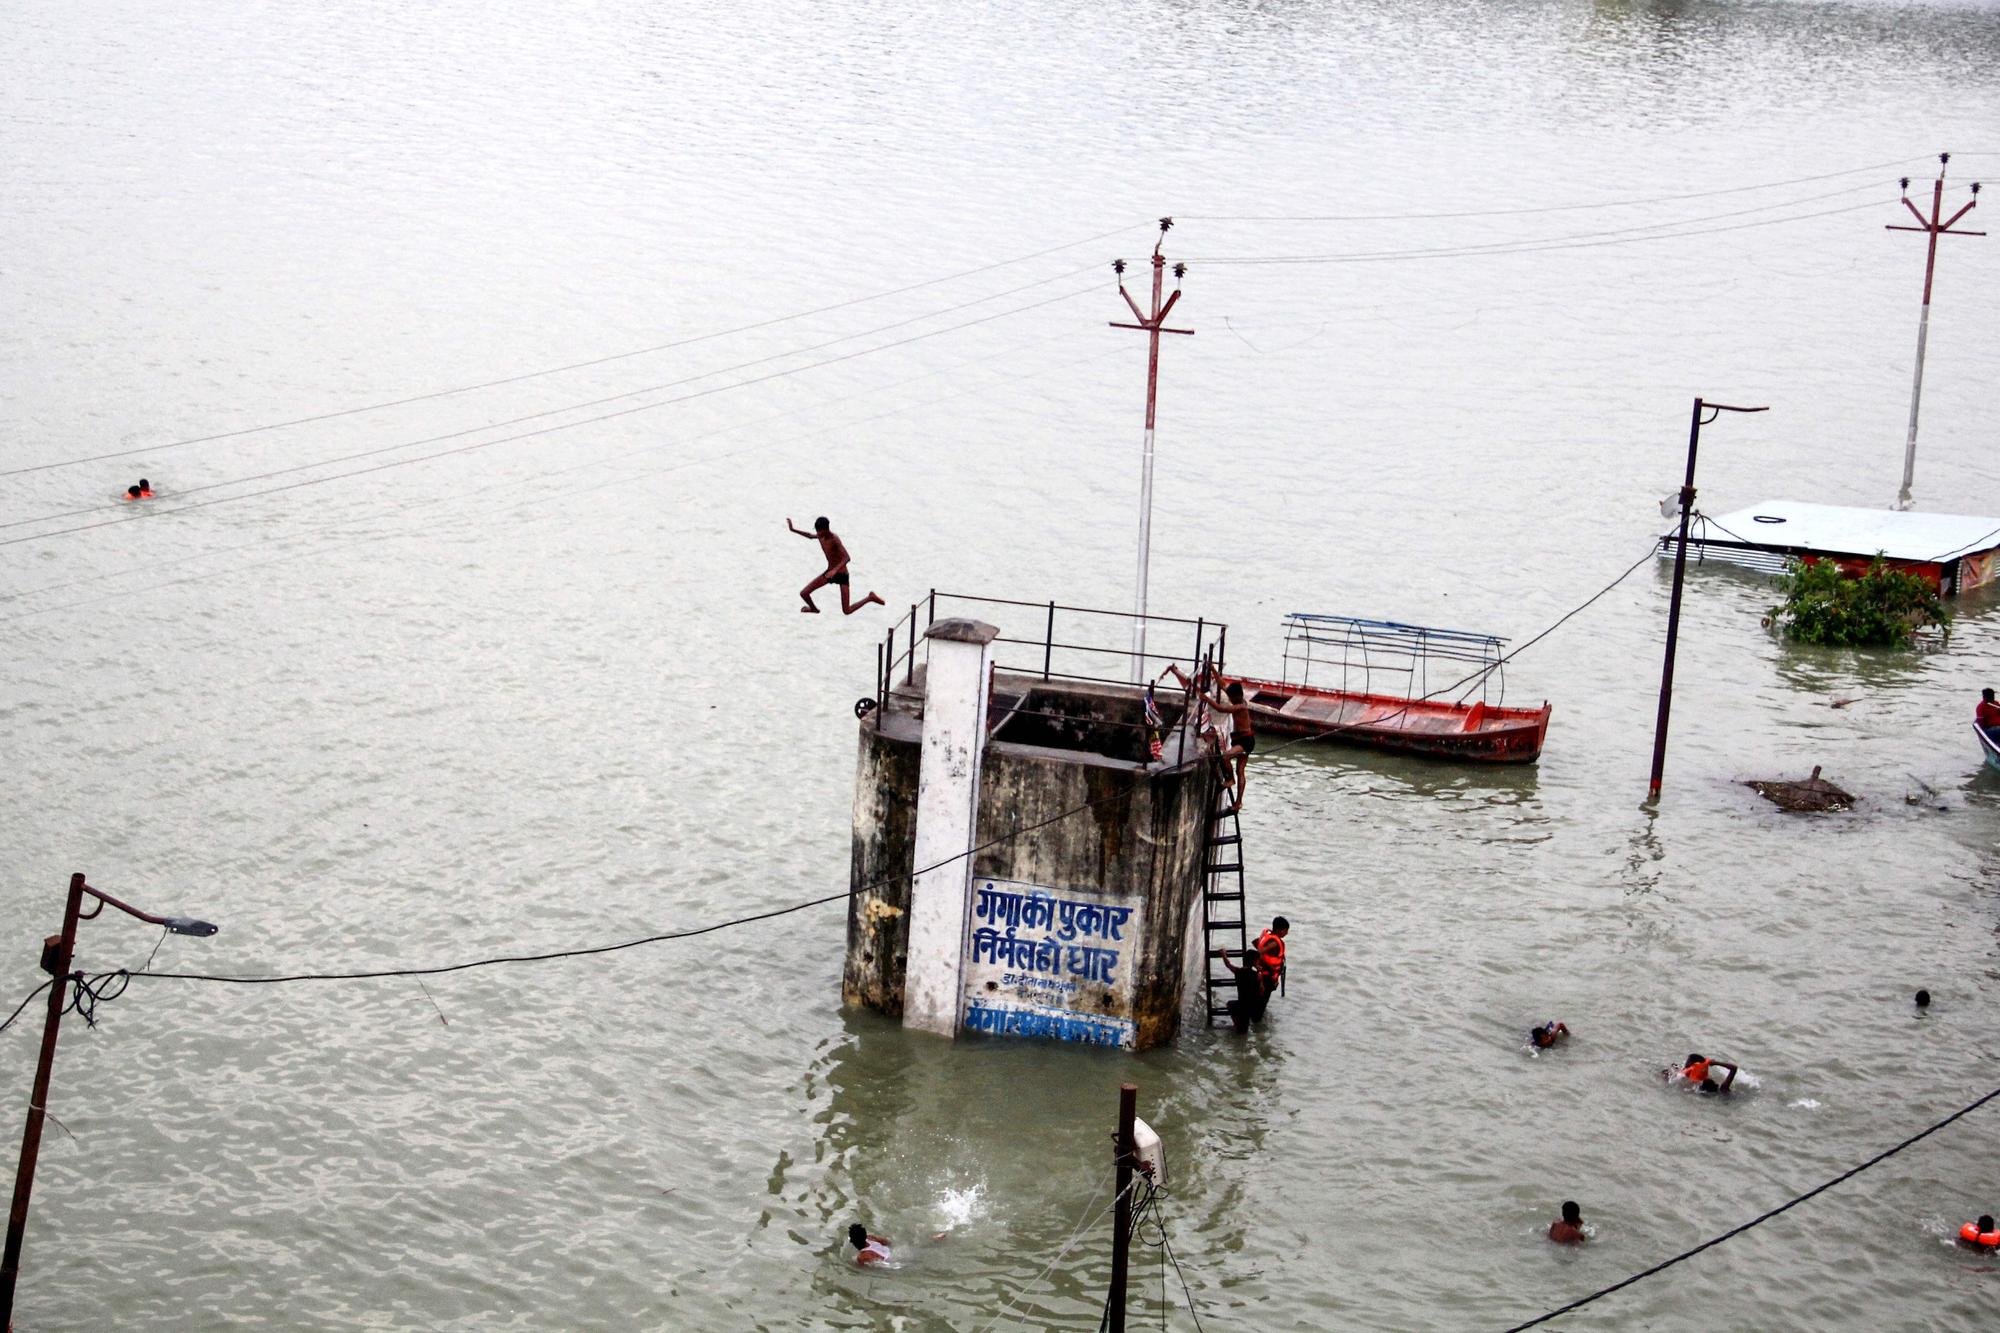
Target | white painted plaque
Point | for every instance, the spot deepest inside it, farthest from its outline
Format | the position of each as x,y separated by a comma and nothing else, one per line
1041,962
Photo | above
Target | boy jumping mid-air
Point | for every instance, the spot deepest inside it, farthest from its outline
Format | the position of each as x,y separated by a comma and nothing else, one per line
836,570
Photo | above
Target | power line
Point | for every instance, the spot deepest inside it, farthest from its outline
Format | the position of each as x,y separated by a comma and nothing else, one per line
548,430
1548,208
574,365
647,939
321,549
835,897
575,406
1758,1220
29,999
1525,247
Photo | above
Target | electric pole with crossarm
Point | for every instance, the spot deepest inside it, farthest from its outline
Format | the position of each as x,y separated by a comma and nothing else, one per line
1154,325
1934,228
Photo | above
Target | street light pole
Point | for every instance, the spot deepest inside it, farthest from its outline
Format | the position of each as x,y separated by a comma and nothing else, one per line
1680,571
57,952
1152,325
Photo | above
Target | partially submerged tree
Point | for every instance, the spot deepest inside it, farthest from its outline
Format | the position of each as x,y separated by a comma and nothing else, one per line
1877,608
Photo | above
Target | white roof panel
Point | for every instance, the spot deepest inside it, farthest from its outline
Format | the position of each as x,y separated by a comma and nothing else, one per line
1836,529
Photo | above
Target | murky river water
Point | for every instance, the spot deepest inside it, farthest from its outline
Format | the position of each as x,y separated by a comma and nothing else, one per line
552,691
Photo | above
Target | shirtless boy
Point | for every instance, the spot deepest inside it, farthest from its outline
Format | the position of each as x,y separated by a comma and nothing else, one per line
836,570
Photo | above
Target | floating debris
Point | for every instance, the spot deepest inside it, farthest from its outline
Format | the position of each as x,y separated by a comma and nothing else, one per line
1815,793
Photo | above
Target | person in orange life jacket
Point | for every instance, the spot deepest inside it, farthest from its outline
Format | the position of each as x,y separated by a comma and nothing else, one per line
1696,1071
868,1249
1987,713
144,491
1981,1233
1270,948
1568,1231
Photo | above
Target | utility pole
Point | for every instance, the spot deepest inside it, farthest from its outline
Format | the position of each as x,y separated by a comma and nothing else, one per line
57,953
1680,571
1121,1216
1933,229
1153,325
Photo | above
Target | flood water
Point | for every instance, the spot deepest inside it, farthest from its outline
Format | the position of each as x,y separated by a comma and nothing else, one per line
496,672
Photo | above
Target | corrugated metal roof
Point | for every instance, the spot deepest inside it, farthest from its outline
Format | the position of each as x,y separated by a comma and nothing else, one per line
1838,530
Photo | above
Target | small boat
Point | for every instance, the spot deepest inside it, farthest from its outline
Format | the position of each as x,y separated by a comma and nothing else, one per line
1354,650
1988,746
1430,727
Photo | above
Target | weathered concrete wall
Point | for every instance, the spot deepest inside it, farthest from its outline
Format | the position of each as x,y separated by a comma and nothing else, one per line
883,856
1140,840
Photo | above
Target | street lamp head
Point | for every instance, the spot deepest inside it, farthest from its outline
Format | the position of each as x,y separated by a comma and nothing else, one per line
187,925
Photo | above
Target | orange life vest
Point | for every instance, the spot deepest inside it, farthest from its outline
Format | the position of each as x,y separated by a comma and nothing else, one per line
1972,1235
1696,1072
1270,956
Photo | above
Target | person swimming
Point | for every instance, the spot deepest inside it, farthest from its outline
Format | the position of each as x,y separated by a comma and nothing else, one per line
1980,1234
143,491
1548,1034
1697,1071
869,1250
1568,1230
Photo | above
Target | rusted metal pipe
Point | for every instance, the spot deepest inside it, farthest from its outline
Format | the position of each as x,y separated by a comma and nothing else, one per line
63,947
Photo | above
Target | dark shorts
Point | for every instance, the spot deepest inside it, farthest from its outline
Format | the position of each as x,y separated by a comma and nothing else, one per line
1245,741
838,580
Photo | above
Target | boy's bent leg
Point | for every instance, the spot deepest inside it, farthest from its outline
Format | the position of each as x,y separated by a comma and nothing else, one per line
849,606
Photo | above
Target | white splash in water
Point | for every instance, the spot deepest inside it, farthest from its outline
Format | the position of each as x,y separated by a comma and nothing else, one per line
1806,1104
957,1208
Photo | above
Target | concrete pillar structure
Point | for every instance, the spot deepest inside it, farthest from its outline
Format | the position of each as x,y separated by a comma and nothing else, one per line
953,748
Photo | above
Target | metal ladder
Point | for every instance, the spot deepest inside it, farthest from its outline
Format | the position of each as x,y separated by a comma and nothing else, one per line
1222,910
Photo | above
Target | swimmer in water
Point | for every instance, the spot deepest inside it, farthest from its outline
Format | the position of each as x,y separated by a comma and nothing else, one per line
1569,1229
868,1250
1980,1235
1548,1034
837,559
1697,1070
143,491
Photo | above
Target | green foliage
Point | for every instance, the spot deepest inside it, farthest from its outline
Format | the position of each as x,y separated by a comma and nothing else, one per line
1880,608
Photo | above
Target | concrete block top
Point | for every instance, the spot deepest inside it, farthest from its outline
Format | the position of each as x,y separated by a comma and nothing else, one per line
963,631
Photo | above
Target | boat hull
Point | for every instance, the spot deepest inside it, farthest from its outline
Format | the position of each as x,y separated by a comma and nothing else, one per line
1470,732
1988,747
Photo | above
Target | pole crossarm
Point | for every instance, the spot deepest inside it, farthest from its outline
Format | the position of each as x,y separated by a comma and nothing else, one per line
1153,325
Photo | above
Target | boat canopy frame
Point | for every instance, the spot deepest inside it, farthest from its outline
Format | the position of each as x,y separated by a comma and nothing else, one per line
1355,644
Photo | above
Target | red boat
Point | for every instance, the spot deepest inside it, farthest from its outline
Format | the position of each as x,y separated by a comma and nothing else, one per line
1389,722
1353,651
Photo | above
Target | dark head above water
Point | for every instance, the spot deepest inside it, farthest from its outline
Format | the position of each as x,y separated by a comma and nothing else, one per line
1985,1222
857,1235
1571,1213
1923,999
1694,1058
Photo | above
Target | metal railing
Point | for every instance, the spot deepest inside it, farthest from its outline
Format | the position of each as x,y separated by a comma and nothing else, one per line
1364,647
897,656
